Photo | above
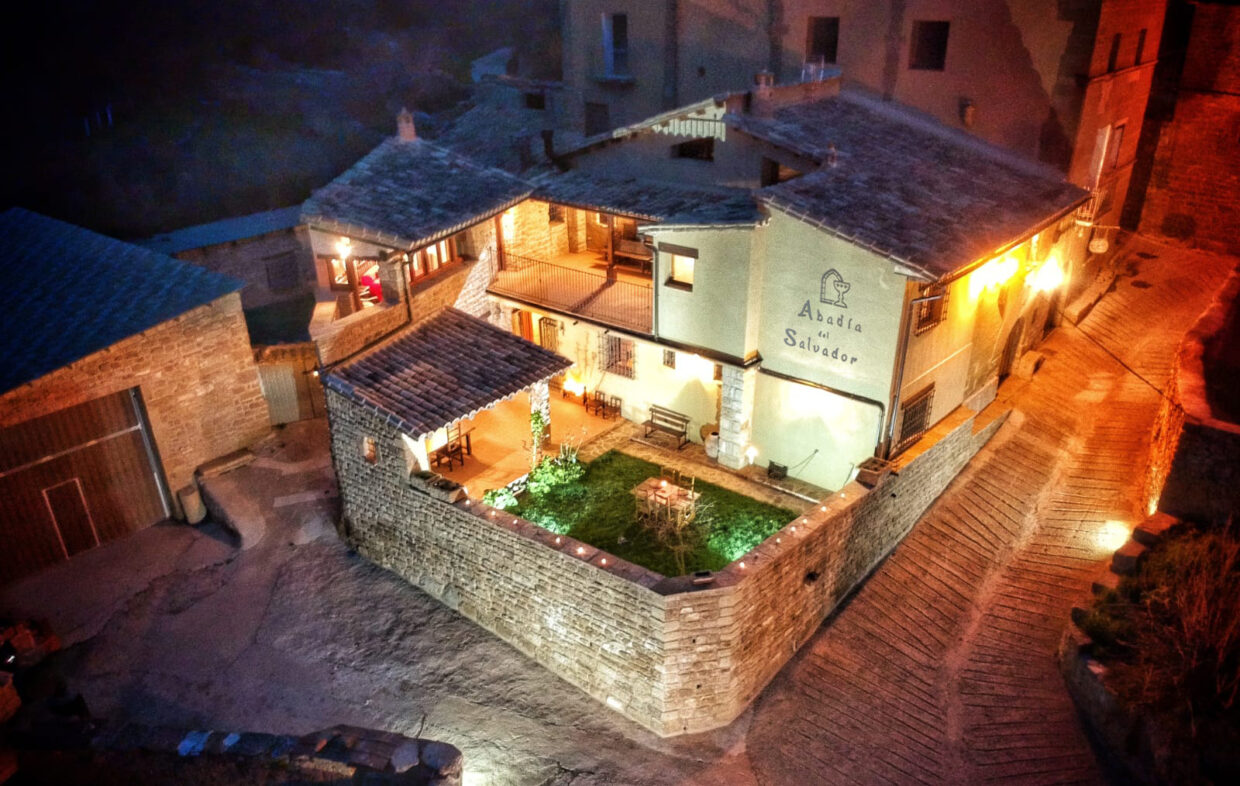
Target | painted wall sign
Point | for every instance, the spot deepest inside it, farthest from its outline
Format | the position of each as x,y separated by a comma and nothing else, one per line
826,332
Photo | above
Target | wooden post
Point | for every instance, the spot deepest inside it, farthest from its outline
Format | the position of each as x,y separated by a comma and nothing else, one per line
499,242
350,273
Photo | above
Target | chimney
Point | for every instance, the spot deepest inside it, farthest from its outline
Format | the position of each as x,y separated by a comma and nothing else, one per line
763,94
405,129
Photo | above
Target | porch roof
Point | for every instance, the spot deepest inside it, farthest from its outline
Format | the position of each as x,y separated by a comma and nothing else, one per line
409,193
447,368
651,200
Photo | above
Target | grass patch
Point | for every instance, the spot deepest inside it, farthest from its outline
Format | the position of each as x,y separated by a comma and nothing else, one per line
599,508
285,322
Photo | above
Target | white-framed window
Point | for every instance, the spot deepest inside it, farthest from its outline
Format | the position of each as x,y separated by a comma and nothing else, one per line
616,44
682,270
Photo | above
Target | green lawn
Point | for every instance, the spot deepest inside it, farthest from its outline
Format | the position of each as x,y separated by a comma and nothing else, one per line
600,509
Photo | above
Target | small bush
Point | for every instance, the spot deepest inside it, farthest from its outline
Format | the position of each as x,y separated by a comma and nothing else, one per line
501,498
552,472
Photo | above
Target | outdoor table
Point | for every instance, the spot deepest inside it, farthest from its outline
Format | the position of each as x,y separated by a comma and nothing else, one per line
661,492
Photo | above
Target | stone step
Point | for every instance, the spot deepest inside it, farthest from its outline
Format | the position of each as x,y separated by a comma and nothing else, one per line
1105,582
1127,557
1152,530
227,463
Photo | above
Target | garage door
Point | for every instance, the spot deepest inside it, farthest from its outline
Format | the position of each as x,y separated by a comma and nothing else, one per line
74,479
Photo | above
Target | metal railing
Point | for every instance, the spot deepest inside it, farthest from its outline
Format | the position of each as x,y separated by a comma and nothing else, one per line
598,298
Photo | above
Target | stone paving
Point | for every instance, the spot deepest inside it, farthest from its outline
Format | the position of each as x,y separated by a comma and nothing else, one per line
939,670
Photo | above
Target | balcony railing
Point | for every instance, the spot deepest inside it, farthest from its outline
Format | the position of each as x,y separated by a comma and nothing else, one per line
611,302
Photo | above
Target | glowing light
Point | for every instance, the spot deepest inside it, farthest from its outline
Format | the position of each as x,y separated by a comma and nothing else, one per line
694,367
581,550
992,274
794,529
492,514
614,703
778,541
1112,535
508,224
742,564
1152,506
573,383
344,247
1049,276
751,453
558,541
604,560
823,508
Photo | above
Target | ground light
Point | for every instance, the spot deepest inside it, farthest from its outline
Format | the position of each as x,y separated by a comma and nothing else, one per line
1112,535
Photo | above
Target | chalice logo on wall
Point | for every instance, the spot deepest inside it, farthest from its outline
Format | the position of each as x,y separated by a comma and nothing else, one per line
834,287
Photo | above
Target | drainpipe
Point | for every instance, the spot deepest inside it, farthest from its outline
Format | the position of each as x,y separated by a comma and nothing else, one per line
899,378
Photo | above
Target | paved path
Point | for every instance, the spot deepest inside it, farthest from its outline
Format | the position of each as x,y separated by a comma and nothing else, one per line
938,671
941,669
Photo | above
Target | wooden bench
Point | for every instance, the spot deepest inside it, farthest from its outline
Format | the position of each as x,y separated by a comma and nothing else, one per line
669,422
634,253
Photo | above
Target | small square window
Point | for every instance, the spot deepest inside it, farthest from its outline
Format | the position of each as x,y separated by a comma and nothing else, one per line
682,271
536,101
370,451
929,51
669,358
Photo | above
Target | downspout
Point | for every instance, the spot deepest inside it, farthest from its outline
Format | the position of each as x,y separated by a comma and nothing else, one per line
907,328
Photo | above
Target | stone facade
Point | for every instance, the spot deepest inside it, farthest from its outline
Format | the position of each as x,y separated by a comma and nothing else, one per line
1194,467
735,404
670,655
197,377
275,266
1194,188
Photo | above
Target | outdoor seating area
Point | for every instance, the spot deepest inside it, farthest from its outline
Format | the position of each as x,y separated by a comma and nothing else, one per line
669,422
602,404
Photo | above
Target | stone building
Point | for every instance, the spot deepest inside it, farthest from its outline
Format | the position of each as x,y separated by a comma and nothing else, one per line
130,371
269,251
1066,83
1194,177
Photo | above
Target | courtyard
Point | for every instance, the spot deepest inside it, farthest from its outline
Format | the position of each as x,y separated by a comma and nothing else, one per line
939,670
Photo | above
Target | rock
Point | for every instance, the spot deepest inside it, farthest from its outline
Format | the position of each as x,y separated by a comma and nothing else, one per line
406,757
1152,530
1105,582
1127,557
443,758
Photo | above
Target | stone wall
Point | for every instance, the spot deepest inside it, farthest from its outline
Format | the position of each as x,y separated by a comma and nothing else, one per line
670,655
1194,468
197,377
250,258
1194,189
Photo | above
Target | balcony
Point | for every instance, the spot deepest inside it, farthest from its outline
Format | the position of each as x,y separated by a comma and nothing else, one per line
571,285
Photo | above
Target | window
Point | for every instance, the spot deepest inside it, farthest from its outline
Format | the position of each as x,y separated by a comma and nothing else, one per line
370,451
549,334
682,271
616,356
915,417
555,213
282,271
523,324
669,358
822,38
1113,58
1140,47
616,44
774,172
427,260
598,118
931,312
701,149
1113,146
535,101
929,51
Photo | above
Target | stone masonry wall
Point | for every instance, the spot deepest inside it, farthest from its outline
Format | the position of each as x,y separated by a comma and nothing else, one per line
197,377
1194,467
671,655
248,259
597,626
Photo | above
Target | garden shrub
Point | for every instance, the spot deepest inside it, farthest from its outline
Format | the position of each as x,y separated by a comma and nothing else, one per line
502,498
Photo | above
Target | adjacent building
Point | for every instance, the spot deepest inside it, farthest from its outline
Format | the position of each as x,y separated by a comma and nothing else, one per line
1065,83
130,370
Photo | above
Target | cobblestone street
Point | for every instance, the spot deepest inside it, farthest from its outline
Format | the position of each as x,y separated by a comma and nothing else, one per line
939,670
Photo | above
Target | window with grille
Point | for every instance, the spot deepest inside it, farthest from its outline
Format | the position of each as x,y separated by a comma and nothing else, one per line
701,149
915,417
669,358
929,46
549,334
616,356
555,213
931,312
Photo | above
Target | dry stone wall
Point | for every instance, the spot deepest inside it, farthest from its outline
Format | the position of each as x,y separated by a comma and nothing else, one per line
673,656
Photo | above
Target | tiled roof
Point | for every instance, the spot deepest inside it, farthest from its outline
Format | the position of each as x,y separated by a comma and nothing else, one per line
409,193
926,196
448,368
227,230
67,292
652,200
